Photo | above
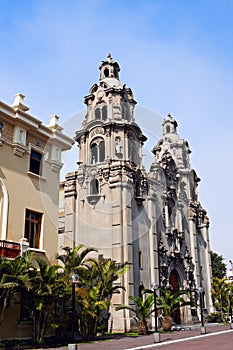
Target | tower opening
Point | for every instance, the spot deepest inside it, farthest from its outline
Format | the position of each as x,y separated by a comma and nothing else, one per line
106,73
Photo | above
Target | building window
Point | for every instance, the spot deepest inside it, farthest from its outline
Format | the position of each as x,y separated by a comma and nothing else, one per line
94,153
97,113
104,113
97,151
101,113
140,260
101,151
94,186
35,162
106,73
33,228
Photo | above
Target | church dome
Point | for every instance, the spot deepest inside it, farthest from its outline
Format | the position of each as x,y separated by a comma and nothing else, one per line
112,82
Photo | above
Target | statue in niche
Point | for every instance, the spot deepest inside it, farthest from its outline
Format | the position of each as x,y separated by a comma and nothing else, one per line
183,194
118,146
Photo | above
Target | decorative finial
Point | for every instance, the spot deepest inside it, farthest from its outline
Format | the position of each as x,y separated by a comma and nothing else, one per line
19,103
109,57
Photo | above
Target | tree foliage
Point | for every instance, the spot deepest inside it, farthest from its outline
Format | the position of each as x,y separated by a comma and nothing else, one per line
98,279
48,290
142,308
45,292
219,269
13,279
170,301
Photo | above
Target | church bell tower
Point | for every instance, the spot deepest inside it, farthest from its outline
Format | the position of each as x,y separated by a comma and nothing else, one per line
105,195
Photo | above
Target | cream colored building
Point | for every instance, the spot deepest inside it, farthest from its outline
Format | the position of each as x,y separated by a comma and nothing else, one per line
30,163
152,220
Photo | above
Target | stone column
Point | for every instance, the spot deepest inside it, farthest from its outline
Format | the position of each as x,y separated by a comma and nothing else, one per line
70,209
208,271
153,246
166,216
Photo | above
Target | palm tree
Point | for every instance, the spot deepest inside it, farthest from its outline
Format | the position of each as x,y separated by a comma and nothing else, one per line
169,302
90,306
95,293
141,309
46,289
74,259
95,287
219,294
105,272
13,279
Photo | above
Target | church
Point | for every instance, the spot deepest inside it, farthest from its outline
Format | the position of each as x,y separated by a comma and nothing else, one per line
151,219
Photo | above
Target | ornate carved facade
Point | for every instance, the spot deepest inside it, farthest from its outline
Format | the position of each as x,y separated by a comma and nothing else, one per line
152,220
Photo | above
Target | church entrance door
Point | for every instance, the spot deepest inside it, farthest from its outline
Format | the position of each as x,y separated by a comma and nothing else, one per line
174,283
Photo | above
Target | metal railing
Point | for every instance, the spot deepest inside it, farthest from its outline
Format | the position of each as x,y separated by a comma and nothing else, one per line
9,249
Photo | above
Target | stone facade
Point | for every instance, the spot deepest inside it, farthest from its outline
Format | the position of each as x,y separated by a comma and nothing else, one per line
152,220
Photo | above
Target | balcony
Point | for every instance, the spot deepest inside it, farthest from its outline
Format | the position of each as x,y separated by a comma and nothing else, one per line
9,249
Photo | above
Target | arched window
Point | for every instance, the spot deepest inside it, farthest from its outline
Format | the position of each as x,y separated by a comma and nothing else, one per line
97,151
97,113
94,153
94,186
104,113
168,129
101,151
101,113
106,73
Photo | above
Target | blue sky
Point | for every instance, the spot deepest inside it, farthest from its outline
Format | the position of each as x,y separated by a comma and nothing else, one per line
177,56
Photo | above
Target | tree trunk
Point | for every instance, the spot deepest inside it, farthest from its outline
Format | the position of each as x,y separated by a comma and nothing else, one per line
167,323
142,328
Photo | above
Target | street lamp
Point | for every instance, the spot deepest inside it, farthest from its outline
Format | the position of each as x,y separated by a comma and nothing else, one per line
155,286
230,308
75,279
203,329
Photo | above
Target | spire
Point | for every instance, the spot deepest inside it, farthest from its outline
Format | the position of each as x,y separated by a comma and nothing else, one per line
109,69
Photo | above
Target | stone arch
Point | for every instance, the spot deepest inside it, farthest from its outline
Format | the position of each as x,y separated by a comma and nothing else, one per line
174,280
178,267
4,202
97,148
